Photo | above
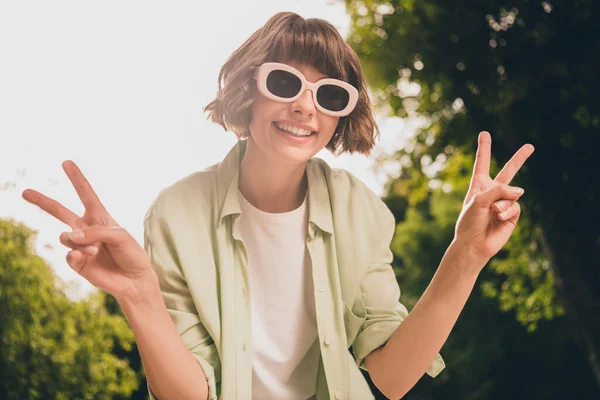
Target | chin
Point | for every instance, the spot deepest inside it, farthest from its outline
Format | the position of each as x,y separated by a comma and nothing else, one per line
296,155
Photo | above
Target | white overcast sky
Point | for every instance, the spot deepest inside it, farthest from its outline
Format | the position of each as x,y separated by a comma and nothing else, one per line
118,87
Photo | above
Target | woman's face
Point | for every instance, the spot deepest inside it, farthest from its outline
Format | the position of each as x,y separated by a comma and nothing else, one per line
269,117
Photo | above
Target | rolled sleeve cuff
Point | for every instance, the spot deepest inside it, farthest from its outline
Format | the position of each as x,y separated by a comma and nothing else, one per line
377,335
209,373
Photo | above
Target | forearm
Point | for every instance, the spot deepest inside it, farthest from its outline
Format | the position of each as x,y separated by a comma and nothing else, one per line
397,366
171,369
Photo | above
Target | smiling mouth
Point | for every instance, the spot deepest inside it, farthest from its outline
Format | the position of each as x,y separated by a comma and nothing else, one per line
293,131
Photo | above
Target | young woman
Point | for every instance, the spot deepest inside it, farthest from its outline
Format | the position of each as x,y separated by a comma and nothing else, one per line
259,273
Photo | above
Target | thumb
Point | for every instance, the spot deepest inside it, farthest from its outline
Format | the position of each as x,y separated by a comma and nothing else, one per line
498,192
111,235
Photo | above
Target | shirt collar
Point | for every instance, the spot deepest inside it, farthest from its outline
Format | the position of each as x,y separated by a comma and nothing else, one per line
319,209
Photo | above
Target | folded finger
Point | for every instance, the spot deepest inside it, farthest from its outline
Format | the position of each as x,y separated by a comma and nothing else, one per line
510,211
76,260
497,193
111,235
87,249
502,205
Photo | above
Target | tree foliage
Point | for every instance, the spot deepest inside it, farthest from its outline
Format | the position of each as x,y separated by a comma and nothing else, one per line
53,347
526,72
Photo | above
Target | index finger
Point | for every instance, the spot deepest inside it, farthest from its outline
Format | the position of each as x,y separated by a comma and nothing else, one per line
483,155
51,206
513,165
84,190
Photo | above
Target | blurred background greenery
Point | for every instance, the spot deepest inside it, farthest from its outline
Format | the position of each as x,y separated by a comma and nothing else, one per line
526,71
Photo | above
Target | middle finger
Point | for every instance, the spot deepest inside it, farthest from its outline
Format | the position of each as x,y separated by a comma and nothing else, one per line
514,164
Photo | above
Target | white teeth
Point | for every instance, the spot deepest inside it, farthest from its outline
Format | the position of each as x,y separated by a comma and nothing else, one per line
293,130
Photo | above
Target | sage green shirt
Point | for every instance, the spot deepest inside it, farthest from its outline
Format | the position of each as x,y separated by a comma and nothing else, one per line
192,238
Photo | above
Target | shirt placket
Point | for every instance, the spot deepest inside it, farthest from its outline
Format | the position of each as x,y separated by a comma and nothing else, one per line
243,338
330,342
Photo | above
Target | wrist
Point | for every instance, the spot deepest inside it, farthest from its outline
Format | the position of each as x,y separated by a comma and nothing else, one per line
464,259
143,291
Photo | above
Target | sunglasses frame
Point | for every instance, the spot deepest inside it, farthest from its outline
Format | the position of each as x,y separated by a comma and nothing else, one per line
265,69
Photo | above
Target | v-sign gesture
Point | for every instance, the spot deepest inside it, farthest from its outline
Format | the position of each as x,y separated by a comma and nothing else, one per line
490,210
106,254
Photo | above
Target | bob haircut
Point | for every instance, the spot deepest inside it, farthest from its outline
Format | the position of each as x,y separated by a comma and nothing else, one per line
288,37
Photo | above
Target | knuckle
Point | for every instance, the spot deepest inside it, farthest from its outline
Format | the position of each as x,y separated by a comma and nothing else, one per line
515,209
123,234
64,239
90,250
69,258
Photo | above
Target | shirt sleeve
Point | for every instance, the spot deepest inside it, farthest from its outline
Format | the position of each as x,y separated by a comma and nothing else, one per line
177,298
384,312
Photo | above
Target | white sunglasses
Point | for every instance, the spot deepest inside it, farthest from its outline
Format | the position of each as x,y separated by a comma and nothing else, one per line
281,82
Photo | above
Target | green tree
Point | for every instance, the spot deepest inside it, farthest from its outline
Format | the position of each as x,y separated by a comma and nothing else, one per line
129,353
490,353
52,347
527,72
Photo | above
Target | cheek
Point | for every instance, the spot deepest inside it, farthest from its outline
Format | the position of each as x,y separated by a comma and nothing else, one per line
328,124
256,111
264,111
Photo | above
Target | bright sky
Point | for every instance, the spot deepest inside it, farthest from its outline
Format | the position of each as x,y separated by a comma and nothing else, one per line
118,87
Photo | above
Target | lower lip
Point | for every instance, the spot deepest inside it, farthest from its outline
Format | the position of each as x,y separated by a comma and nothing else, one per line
296,139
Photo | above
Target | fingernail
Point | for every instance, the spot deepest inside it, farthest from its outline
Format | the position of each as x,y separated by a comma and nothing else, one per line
517,190
92,250
76,234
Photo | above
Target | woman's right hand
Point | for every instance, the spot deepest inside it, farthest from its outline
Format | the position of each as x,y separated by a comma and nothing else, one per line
107,256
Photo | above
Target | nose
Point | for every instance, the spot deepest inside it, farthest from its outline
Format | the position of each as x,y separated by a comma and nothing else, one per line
304,105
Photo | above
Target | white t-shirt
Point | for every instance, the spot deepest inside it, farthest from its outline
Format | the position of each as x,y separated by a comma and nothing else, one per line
284,329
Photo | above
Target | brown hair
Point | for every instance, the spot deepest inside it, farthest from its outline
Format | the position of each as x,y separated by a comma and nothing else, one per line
288,37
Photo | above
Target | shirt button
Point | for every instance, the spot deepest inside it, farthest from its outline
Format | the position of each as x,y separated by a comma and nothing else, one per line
327,342
321,289
244,347
338,395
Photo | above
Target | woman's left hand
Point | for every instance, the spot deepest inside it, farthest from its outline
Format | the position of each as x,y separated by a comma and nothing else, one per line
490,211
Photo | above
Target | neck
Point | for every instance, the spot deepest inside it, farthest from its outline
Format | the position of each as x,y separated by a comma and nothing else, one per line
269,183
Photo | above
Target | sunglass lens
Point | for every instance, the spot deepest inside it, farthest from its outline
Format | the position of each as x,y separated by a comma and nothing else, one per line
333,98
283,84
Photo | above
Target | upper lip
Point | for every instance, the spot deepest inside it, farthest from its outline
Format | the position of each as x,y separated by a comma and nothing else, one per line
297,125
